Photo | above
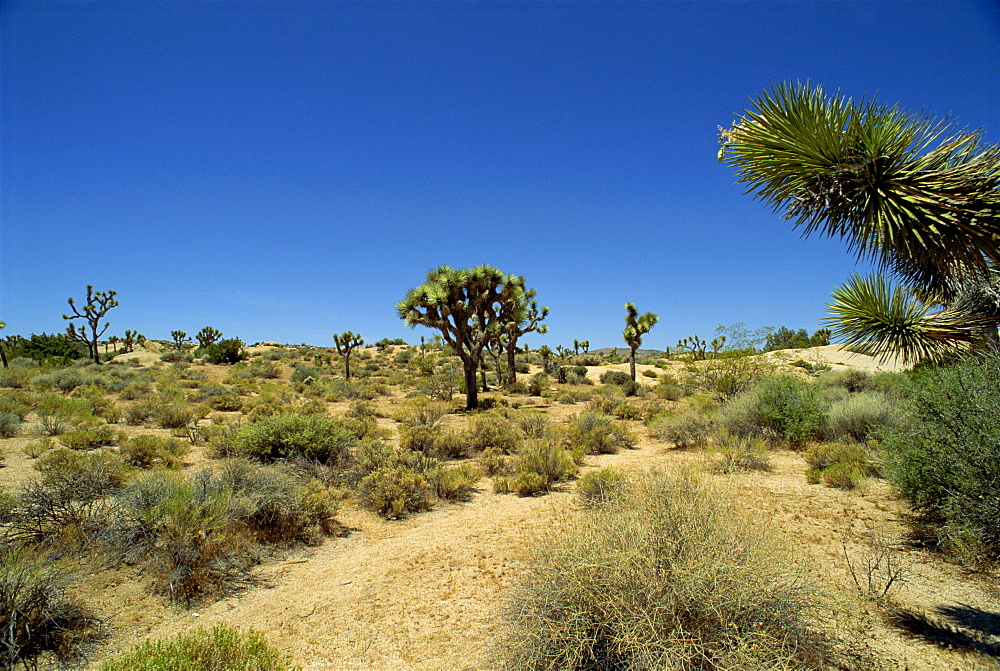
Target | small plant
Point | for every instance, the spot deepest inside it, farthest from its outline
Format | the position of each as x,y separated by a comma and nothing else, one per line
875,573
10,424
492,431
538,384
147,451
844,466
394,491
37,615
686,429
596,433
37,448
220,648
228,351
780,408
858,415
598,487
741,455
284,435
89,437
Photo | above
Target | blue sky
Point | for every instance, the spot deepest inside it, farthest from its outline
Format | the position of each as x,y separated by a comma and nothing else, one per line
286,170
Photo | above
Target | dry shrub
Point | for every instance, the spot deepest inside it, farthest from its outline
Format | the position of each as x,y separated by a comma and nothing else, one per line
148,451
741,455
665,576
491,430
37,615
686,429
598,487
394,491
593,432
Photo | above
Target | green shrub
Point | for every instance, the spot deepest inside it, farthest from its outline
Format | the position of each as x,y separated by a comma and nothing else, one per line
856,416
852,380
68,379
454,483
220,648
15,404
147,451
177,356
89,437
538,384
545,458
780,408
527,483
283,435
394,491
606,399
533,424
650,373
687,428
667,576
37,448
37,615
839,465
171,415
627,411
615,377
492,431
228,351
58,414
10,424
598,487
946,459
596,433
740,454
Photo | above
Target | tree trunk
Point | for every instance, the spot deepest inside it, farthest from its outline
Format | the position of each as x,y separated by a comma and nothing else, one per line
471,388
511,372
3,355
631,362
347,366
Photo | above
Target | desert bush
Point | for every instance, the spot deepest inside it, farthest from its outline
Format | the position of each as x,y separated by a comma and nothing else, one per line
606,399
89,437
37,448
98,403
15,403
492,431
72,494
615,377
668,388
728,377
138,413
856,416
422,411
601,486
395,491
546,458
135,389
68,379
685,428
454,483
283,435
627,411
58,414
844,466
650,373
668,576
228,351
739,454
220,648
853,380
17,377
538,384
596,433
304,374
172,415
177,356
148,451
38,616
780,408
533,424
362,409
10,424
946,459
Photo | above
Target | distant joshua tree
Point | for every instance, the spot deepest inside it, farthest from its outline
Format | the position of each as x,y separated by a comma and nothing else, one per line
208,336
98,305
346,343
636,326
180,337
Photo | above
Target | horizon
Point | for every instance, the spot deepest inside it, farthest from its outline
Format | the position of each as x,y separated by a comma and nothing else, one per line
286,171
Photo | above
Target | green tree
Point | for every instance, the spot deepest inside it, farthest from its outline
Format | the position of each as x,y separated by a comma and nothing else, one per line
468,308
636,326
916,195
208,336
346,343
98,305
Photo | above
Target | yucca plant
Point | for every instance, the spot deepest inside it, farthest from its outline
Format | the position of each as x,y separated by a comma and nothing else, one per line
914,194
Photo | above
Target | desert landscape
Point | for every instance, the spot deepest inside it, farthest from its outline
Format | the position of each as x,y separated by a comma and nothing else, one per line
433,587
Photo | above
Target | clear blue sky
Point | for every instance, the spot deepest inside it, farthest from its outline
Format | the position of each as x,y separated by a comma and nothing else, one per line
286,170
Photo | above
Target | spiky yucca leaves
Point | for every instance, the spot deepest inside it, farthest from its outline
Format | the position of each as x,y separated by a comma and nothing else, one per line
912,193
636,326
471,308
346,343
878,318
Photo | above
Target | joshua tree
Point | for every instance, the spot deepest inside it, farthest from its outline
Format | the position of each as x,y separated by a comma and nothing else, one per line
696,346
346,343
468,308
208,336
131,337
717,344
585,345
3,352
180,337
99,303
914,194
636,326
114,340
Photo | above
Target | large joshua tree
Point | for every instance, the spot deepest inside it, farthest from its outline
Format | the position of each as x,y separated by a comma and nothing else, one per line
98,304
917,196
469,307
636,326
521,316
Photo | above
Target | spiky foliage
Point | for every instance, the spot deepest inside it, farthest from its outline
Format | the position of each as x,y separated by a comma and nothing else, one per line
98,304
636,326
470,308
346,343
878,318
180,337
208,336
916,195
